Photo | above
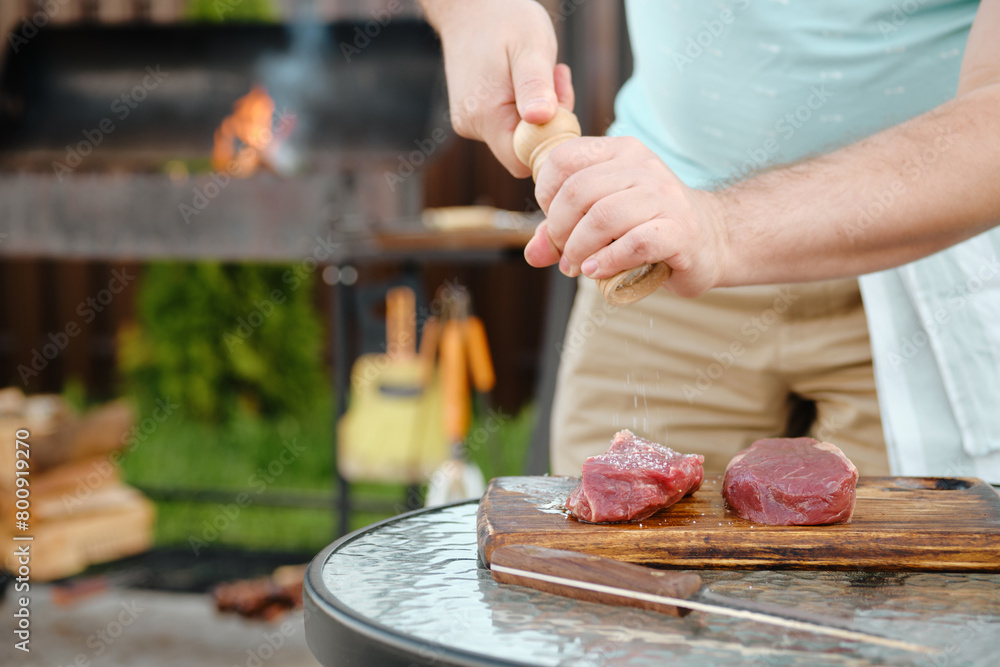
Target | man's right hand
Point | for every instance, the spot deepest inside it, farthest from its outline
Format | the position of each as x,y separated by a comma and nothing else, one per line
500,61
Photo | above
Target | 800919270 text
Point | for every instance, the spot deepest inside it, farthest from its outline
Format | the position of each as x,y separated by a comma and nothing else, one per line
21,563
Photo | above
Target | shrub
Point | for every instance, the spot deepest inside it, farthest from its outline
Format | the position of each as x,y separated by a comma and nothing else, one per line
225,341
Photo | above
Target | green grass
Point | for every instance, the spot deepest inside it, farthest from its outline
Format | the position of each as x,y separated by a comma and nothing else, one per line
246,457
185,453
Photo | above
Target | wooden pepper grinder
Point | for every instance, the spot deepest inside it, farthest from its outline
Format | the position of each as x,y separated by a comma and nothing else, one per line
532,145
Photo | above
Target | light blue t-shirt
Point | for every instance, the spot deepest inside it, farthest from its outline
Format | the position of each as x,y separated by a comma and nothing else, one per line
723,88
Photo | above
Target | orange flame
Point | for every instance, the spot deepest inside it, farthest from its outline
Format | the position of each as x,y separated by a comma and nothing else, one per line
250,135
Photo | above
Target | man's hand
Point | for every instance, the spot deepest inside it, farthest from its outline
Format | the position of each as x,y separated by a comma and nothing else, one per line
500,61
612,205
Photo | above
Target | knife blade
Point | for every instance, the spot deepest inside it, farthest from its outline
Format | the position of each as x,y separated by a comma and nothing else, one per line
608,581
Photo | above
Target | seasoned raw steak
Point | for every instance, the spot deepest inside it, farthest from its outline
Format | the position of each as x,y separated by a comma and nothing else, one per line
791,482
634,479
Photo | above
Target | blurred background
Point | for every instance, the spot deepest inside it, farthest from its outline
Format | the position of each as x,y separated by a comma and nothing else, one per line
254,294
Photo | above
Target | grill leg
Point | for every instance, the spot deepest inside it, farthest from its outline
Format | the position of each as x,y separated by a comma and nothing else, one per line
342,297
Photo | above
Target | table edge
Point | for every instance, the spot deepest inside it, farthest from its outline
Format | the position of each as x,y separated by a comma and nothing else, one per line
377,633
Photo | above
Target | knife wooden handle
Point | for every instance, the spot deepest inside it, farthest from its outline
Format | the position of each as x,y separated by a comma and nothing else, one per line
522,564
532,145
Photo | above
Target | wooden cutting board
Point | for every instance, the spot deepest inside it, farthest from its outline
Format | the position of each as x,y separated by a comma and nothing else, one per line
900,523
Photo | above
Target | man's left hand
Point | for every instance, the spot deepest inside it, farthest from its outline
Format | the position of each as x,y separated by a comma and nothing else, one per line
612,205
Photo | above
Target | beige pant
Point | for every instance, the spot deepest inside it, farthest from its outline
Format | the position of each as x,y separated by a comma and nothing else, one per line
711,375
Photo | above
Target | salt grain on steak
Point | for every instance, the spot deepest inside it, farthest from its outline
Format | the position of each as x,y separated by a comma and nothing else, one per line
791,482
634,479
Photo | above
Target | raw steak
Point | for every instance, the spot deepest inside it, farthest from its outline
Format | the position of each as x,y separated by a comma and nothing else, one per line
634,479
791,482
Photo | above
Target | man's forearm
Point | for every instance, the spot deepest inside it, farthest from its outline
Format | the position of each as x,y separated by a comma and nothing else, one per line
897,196
894,197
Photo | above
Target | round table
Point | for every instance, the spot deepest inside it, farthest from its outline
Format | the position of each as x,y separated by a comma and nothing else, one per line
411,591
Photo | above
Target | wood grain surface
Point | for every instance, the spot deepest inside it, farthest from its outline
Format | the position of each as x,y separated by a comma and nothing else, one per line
900,523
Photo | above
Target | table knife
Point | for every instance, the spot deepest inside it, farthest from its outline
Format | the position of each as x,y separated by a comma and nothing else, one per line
608,581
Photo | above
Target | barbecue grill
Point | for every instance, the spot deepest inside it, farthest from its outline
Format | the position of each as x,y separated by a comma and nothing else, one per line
105,134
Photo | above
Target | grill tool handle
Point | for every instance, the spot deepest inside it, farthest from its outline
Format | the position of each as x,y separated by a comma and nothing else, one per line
532,145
